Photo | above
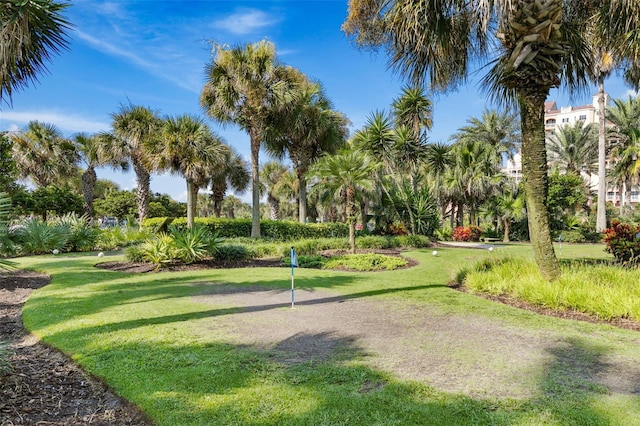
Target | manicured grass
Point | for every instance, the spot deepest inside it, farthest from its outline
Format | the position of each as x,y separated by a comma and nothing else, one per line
157,345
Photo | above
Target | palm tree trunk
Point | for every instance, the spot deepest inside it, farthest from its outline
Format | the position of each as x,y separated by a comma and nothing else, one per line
274,206
255,182
601,208
507,228
351,219
217,194
536,184
143,179
89,179
302,197
192,200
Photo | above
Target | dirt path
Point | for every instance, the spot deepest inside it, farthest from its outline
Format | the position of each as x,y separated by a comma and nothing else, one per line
469,354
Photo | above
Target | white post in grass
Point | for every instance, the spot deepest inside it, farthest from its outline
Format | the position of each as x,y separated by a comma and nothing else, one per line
294,263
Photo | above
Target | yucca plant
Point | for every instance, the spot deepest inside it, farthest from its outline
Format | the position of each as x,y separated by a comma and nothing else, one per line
159,251
191,244
117,237
82,235
38,237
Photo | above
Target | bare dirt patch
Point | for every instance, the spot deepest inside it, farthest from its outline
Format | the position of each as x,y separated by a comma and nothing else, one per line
470,354
46,387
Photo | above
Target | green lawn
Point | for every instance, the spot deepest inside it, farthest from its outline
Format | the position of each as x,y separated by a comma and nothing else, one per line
167,351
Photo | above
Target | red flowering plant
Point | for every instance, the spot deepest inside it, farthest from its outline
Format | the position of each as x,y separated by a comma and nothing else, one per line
623,241
466,233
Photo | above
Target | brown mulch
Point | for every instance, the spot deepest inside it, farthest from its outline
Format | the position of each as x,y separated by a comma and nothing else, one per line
46,387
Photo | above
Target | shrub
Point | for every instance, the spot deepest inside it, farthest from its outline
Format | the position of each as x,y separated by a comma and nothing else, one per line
415,241
82,236
118,237
191,244
443,234
231,252
315,261
374,242
365,262
623,241
38,237
159,251
574,236
467,233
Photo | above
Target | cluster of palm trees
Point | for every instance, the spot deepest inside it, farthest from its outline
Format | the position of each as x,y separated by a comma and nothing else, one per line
527,46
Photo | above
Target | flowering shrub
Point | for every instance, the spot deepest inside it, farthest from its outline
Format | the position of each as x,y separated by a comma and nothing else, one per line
623,241
467,233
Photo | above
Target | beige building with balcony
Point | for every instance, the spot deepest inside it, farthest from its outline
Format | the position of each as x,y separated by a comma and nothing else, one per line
555,117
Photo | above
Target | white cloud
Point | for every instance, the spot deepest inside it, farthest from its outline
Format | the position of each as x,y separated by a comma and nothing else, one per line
14,120
246,21
157,69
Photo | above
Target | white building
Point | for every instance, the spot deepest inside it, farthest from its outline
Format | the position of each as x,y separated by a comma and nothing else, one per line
554,118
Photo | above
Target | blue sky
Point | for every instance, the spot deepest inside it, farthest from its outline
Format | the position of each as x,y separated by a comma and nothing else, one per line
153,53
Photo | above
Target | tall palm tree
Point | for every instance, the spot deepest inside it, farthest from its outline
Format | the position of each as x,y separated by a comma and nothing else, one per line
234,173
270,176
187,147
305,129
542,45
499,130
88,148
345,175
32,31
414,110
42,154
574,148
243,85
132,127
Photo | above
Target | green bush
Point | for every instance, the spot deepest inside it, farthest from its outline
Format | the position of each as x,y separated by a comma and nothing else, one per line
192,244
159,251
134,253
269,229
226,252
414,241
365,262
572,237
374,242
315,261
118,237
82,236
38,237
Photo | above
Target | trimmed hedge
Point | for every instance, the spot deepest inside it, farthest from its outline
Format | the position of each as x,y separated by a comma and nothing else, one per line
272,229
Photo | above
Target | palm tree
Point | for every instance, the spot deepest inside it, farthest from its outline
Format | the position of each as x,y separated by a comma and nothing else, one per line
307,128
498,130
188,147
345,175
270,176
88,148
42,154
542,45
133,127
574,148
243,85
32,30
232,173
414,110
625,117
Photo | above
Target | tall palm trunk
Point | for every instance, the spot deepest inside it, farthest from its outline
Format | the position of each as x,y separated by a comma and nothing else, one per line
143,179
218,189
601,208
534,167
302,196
192,201
507,227
274,206
351,218
255,182
89,179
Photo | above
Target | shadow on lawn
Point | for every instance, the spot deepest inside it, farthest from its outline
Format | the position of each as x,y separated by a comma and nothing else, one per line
319,379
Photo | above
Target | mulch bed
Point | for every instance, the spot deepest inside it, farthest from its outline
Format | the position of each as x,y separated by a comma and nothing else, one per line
46,387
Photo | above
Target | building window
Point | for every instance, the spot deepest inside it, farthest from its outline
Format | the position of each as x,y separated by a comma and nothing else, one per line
565,120
583,117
